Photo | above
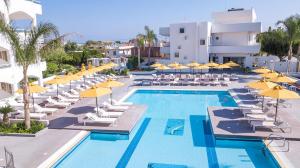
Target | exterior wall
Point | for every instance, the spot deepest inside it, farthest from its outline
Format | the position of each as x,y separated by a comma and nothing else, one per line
10,72
183,43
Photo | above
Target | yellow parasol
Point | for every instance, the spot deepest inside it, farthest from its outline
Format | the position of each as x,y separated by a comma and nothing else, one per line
212,64
262,70
232,64
110,84
71,77
157,64
174,64
271,74
163,67
33,88
94,92
278,92
193,64
58,80
223,66
262,84
283,79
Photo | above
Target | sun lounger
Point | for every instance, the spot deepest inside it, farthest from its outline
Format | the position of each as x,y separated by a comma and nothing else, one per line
93,118
249,106
117,103
74,92
13,103
39,116
39,109
61,104
64,99
271,125
69,95
262,117
104,113
114,107
252,111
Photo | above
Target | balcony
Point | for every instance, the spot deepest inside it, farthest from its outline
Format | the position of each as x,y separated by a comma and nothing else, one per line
164,31
234,28
235,49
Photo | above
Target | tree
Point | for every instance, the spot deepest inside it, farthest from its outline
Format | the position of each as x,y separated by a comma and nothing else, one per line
150,38
28,51
292,30
5,111
140,42
273,42
58,56
70,46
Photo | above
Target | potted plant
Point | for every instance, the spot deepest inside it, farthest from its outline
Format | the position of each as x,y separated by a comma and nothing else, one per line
5,111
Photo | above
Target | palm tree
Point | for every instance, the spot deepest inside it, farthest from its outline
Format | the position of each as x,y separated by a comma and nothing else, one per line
28,51
150,38
5,110
292,29
140,42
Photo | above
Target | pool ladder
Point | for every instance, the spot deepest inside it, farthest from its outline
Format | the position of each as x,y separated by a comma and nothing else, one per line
283,145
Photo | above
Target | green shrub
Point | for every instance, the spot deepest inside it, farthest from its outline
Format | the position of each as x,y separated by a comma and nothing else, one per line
69,68
20,128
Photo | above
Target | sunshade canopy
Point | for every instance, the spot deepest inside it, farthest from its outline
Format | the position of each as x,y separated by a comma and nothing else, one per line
156,65
33,88
278,92
110,84
262,70
271,74
202,67
262,84
94,92
223,66
58,80
283,79
232,64
212,64
163,67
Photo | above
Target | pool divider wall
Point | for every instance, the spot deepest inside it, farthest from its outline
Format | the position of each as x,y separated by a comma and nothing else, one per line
55,157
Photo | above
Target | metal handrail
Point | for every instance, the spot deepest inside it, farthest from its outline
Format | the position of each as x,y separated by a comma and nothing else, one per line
273,137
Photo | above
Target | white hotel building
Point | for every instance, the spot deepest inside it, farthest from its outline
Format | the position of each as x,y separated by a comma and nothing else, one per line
10,71
230,36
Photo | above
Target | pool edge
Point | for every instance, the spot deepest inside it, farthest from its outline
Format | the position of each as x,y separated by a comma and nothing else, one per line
58,154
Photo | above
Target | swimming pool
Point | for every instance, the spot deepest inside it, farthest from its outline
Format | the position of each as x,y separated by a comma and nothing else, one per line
174,132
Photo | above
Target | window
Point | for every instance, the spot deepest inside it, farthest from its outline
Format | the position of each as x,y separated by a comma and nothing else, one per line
185,37
181,30
176,55
179,47
115,53
185,57
217,37
202,42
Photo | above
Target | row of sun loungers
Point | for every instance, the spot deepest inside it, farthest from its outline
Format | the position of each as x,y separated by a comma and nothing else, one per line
107,113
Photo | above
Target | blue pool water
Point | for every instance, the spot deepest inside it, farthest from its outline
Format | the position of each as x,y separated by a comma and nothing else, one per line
174,132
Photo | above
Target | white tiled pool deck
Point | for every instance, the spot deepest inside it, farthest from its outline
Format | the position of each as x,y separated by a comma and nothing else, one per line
32,151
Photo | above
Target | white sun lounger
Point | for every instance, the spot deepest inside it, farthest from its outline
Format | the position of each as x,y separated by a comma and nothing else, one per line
93,118
32,115
262,117
252,111
62,104
271,125
39,109
69,95
104,113
114,108
74,92
64,99
117,103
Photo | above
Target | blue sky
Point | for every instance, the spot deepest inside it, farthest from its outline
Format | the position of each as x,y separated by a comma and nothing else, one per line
123,19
